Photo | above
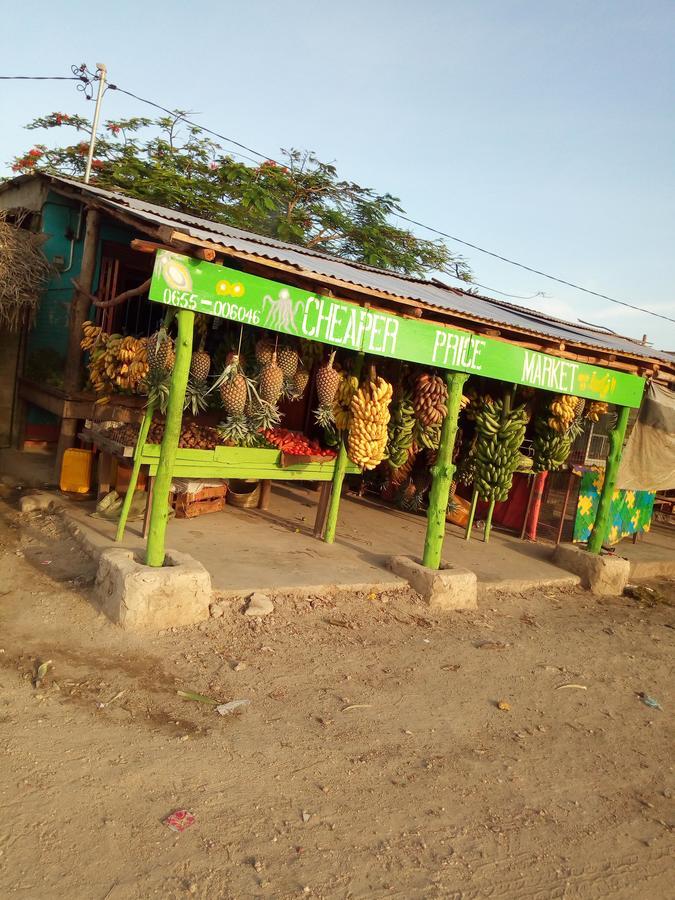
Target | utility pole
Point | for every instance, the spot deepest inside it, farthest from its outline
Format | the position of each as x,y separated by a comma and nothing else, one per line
101,72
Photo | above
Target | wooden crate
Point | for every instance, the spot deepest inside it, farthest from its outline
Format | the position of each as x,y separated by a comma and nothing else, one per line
209,499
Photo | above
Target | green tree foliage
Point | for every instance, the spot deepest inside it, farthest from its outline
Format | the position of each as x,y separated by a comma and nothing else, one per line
302,200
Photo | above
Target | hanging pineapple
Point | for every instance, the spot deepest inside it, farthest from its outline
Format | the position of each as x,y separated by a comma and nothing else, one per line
161,359
197,390
271,381
327,383
288,360
299,382
233,388
264,349
161,355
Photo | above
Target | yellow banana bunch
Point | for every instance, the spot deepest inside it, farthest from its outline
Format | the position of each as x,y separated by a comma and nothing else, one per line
563,410
91,334
342,406
117,363
595,410
367,441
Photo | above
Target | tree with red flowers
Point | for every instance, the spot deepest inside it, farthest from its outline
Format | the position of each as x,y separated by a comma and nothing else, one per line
302,200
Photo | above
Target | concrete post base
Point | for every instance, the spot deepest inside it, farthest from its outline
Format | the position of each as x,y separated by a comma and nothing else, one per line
605,576
137,596
447,588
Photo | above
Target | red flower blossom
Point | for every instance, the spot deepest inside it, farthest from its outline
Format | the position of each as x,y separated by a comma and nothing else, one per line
82,148
35,153
97,164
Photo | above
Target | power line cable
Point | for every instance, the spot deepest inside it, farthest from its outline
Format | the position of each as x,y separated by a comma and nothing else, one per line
471,284
223,137
39,78
513,262
411,221
444,234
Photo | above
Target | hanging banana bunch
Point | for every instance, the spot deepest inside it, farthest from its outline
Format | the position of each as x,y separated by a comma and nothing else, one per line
596,409
498,439
367,440
563,410
401,430
117,364
342,413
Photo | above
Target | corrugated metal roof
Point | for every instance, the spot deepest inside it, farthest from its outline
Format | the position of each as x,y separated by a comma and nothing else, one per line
430,293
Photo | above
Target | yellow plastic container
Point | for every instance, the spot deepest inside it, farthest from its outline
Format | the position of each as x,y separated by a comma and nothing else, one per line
76,471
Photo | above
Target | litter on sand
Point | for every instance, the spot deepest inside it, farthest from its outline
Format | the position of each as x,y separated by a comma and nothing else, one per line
579,687
42,670
492,645
357,706
651,702
504,705
225,709
179,820
200,698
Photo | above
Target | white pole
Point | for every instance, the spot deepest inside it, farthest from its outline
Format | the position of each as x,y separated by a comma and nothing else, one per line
101,71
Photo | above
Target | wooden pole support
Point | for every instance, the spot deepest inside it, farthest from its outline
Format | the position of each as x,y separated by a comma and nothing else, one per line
472,514
155,550
133,479
601,525
79,310
339,474
442,473
488,521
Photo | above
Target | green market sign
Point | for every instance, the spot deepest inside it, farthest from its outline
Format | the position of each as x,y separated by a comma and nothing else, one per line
203,287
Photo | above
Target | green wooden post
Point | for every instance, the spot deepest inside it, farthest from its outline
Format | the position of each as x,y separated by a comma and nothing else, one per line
616,439
133,480
442,474
154,555
339,475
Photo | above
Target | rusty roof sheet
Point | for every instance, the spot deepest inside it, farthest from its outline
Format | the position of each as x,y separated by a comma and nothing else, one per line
433,294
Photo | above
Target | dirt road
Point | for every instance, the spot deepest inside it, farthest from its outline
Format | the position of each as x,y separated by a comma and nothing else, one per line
372,762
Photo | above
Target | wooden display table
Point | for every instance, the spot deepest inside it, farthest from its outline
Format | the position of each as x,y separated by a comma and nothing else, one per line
241,463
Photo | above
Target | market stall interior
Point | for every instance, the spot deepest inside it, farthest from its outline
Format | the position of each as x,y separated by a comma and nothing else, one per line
221,358
375,421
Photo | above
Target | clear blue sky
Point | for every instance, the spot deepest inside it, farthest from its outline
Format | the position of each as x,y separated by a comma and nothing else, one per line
544,131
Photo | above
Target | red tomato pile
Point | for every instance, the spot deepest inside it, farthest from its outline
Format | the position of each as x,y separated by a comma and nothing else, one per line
296,443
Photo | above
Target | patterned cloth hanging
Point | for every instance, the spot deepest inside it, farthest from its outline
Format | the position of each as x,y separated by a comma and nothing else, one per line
631,511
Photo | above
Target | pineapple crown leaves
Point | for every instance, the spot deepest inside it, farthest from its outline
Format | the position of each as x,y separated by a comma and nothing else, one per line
265,416
238,430
324,415
157,385
196,395
229,373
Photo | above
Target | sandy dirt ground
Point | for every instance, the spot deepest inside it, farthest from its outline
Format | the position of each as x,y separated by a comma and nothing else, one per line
372,762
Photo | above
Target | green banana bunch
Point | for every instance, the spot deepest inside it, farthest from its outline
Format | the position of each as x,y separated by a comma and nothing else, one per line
497,448
551,449
427,436
401,431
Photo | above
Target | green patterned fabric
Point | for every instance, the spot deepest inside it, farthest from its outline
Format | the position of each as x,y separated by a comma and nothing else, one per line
631,511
